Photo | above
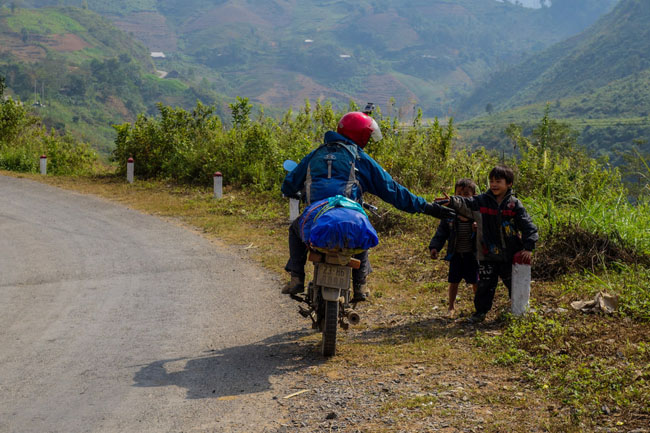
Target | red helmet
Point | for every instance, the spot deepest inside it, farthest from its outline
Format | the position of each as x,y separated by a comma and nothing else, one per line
359,127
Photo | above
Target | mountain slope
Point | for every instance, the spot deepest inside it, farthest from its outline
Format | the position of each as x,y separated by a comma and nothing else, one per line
598,81
338,48
81,73
616,47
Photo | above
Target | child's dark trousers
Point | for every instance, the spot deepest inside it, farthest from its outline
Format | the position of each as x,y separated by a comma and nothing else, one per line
488,278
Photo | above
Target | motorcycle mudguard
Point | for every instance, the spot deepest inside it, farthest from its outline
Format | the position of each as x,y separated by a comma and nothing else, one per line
330,294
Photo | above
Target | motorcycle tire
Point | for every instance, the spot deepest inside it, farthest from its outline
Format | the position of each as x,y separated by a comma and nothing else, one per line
329,327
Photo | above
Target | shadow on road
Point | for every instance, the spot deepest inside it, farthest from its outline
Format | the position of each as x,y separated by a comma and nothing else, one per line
232,371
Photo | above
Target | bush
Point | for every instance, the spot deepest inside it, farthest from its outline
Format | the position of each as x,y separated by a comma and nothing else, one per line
23,140
190,146
551,164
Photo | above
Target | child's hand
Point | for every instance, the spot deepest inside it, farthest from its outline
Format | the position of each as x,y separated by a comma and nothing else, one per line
442,200
434,253
526,257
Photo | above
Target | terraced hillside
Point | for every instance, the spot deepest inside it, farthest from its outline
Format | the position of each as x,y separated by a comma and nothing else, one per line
81,73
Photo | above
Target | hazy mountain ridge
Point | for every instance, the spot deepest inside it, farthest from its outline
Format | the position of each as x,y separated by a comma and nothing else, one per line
617,46
598,81
446,46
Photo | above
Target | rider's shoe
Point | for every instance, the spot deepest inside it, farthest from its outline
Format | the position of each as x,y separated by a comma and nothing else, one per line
295,286
361,293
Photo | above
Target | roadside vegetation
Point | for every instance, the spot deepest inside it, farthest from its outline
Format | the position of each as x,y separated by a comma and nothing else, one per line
23,139
554,370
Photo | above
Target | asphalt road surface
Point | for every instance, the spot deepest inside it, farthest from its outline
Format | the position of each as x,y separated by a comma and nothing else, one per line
115,321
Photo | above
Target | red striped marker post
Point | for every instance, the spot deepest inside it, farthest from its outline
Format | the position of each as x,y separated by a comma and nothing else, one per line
218,185
129,170
43,165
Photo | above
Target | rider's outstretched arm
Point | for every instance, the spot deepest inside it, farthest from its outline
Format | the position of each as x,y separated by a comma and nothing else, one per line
375,180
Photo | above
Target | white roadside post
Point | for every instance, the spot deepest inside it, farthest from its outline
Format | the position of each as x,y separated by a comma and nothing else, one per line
129,170
218,185
520,286
294,209
43,165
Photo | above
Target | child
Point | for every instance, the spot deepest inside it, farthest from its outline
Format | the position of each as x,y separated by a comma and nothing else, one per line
461,249
504,228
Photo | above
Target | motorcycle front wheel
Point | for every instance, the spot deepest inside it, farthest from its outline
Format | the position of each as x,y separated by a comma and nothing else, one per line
330,322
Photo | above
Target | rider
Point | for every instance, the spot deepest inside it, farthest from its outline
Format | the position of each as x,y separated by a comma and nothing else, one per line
340,166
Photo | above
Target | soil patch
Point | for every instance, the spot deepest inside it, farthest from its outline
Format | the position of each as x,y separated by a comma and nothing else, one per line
226,15
294,92
65,42
23,51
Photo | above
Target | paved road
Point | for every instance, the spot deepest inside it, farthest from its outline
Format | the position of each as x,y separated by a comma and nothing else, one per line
114,321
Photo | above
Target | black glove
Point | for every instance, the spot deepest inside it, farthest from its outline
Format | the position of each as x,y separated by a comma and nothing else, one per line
438,211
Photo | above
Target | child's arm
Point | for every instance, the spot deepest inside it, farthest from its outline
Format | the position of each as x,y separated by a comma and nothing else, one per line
439,239
528,229
463,205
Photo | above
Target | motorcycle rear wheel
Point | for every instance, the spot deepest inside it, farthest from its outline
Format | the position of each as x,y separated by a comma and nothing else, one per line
330,323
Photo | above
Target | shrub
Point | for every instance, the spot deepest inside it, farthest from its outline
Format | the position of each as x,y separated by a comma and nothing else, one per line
23,140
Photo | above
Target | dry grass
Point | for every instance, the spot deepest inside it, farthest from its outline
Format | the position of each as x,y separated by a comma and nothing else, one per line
573,249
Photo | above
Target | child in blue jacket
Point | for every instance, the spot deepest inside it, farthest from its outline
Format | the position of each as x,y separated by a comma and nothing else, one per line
460,234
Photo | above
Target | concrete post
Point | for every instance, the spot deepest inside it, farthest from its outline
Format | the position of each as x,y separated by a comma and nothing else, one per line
43,165
218,185
129,170
294,209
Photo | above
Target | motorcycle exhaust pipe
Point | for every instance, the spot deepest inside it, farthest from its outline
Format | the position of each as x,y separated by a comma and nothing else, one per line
354,318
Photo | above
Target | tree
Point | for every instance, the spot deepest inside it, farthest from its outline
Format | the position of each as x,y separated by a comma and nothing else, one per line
240,112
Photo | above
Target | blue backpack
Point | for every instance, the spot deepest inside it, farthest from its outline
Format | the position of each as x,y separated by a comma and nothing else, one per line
332,172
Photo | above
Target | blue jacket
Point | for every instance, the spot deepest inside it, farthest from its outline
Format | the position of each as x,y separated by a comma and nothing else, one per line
371,177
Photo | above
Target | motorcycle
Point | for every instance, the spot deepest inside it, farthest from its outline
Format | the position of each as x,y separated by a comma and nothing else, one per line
328,301
328,297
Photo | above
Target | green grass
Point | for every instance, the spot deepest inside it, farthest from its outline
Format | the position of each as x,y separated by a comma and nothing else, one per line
615,216
585,366
168,86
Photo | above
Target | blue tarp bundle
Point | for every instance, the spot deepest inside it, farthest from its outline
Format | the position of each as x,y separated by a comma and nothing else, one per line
337,223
